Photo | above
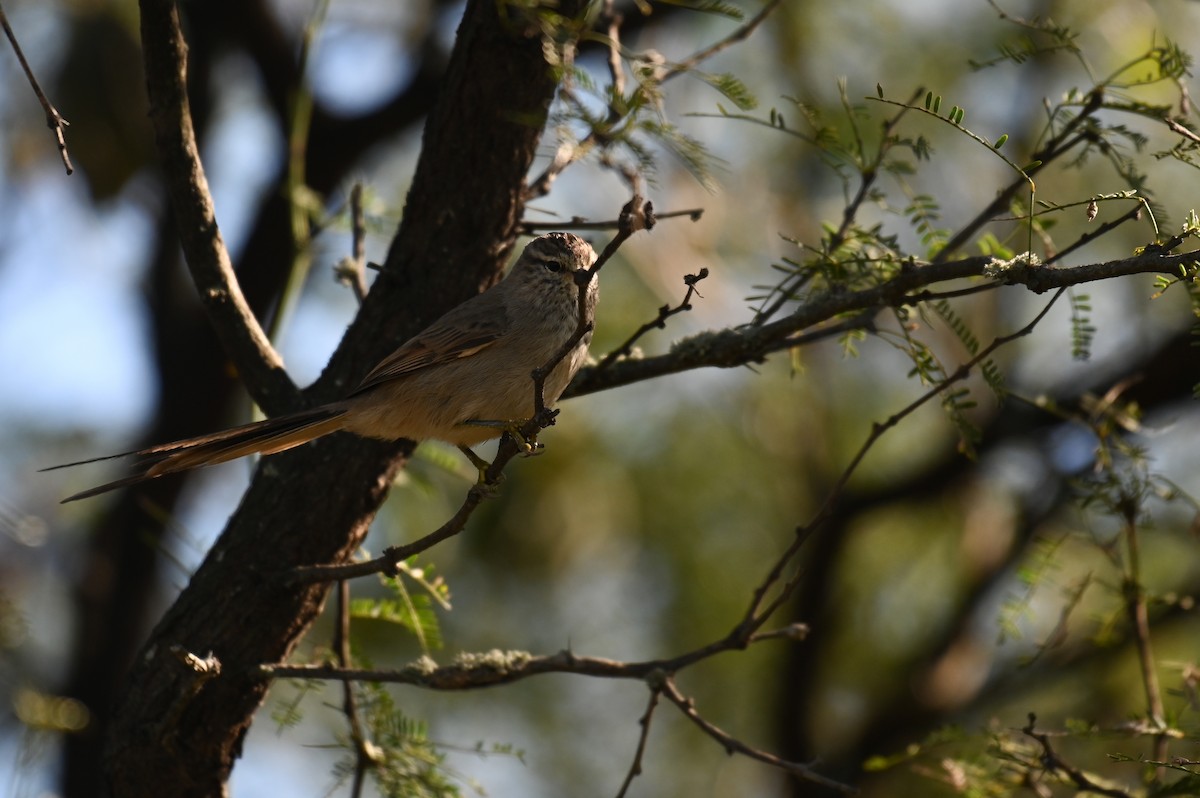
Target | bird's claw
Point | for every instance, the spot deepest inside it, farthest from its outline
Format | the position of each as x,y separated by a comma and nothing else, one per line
528,444
482,466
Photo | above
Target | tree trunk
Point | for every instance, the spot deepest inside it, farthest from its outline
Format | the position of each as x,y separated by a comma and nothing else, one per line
175,732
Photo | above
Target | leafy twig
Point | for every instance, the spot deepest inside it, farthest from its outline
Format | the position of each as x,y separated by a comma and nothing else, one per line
742,345
869,173
742,33
760,609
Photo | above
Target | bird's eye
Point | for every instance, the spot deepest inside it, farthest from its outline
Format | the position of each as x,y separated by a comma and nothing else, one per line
552,265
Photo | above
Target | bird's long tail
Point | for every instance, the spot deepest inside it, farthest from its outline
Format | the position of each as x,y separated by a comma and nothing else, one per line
262,437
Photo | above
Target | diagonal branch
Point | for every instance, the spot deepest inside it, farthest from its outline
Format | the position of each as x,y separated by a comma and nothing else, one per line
635,767
659,322
165,54
760,609
54,119
732,745
742,33
1053,762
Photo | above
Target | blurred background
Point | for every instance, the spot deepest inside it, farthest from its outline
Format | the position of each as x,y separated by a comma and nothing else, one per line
945,592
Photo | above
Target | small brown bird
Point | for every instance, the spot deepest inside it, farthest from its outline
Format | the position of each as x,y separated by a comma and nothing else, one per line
458,380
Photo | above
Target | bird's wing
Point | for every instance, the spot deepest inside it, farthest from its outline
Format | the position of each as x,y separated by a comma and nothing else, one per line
462,332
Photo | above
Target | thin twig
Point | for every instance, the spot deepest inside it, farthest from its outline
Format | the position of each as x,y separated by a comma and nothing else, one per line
760,610
341,644
635,767
616,72
353,270
1181,130
579,223
1107,227
300,198
1058,145
733,745
658,323
386,563
1139,620
1053,762
692,61
54,119
787,289
636,215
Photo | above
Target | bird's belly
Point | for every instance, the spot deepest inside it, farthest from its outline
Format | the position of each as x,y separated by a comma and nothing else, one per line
435,403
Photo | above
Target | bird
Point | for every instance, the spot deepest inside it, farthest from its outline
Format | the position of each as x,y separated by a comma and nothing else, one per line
464,379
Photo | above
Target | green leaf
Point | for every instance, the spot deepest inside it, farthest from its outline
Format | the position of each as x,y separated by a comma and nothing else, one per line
732,88
708,7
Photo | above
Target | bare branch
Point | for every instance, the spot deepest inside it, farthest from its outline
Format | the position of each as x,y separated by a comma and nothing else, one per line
341,644
259,365
352,270
393,555
635,767
54,119
732,745
471,671
1053,762
1181,130
659,323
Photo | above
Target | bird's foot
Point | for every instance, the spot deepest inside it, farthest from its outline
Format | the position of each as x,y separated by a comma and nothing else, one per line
482,466
528,444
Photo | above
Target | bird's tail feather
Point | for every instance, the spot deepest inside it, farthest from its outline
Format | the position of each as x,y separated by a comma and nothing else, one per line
263,437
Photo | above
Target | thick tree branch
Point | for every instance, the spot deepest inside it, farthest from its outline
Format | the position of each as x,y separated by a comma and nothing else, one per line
740,346
165,55
493,668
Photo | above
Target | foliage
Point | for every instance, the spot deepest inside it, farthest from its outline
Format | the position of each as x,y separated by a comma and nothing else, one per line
906,280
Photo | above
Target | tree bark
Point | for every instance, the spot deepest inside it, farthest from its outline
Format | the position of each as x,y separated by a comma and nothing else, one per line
178,732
